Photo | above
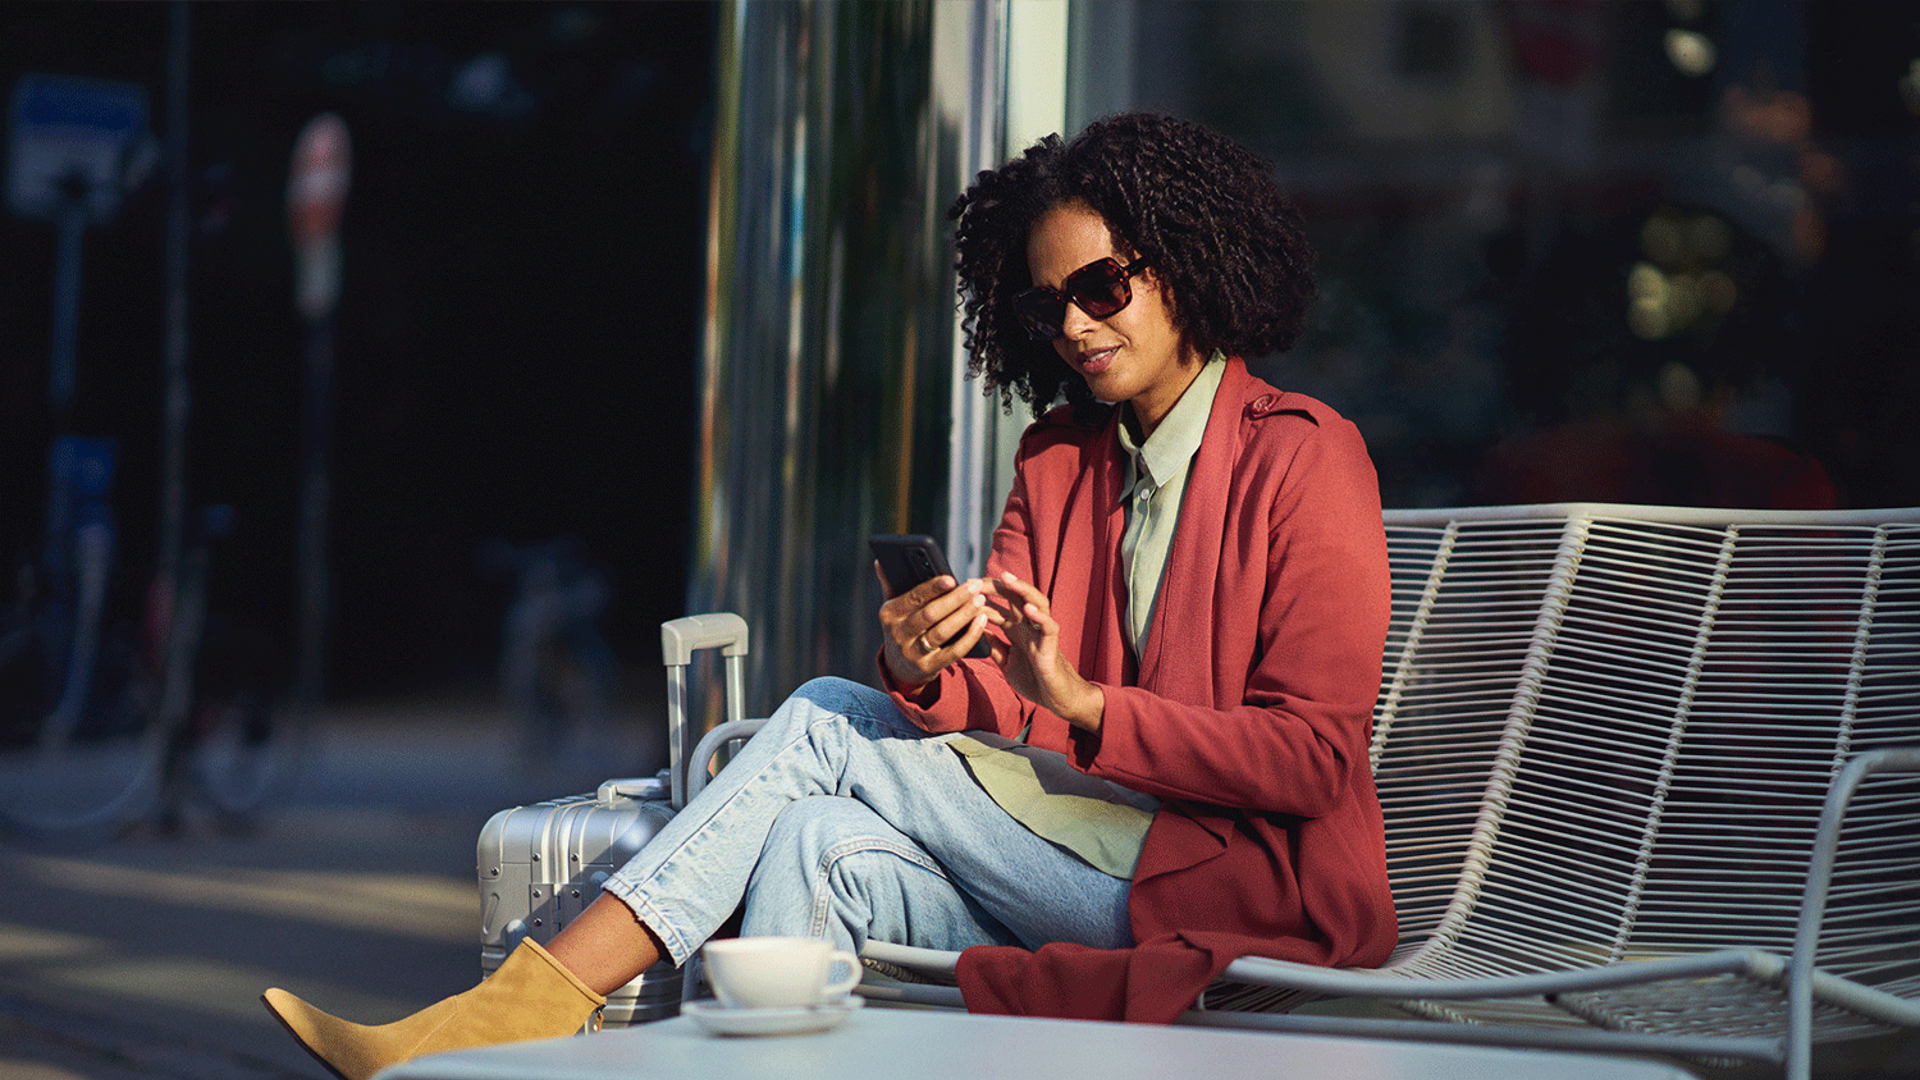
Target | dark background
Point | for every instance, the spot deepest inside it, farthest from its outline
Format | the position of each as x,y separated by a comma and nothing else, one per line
517,333
524,283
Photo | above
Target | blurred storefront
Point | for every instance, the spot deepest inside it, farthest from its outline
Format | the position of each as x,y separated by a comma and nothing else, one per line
1652,250
1630,251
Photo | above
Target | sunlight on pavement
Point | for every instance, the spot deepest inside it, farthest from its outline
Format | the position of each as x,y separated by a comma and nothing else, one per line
415,905
95,967
17,1069
226,990
30,943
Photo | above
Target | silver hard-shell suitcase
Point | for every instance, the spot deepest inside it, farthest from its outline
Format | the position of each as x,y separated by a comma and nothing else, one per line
539,866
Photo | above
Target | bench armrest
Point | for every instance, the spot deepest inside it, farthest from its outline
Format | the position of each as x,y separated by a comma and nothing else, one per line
1813,905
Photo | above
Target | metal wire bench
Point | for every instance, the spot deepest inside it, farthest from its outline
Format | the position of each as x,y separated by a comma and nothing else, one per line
1651,778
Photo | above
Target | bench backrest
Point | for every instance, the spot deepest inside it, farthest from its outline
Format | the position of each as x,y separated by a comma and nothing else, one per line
1606,731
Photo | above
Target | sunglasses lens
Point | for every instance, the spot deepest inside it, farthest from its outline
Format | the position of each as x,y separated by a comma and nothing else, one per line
1100,289
1041,311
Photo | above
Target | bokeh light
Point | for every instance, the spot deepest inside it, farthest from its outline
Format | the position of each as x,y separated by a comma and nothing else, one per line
1691,52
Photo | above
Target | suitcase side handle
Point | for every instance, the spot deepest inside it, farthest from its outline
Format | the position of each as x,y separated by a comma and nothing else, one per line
632,787
710,745
679,640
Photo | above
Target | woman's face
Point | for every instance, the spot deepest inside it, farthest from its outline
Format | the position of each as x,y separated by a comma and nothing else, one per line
1134,355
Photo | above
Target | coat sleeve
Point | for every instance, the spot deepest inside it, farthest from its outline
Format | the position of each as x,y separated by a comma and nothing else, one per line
1302,673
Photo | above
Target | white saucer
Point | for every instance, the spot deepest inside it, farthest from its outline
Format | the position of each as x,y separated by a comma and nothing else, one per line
721,1020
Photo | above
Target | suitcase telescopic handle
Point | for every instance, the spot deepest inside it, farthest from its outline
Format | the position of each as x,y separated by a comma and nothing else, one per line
679,640
723,630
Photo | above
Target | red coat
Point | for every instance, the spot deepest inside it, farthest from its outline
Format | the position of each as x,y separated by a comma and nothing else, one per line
1249,715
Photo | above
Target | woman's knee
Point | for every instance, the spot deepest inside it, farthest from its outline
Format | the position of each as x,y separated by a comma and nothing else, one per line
830,698
821,840
832,866
806,829
832,693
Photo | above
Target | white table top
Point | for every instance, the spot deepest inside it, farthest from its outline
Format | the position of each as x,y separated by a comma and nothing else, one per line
878,1043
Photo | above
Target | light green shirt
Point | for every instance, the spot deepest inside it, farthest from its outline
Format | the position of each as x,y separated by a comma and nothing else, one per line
1098,820
1155,479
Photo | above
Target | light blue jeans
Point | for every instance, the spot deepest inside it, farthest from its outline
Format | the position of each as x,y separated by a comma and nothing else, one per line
843,820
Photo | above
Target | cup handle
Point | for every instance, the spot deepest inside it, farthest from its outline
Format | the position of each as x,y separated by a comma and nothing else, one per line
842,986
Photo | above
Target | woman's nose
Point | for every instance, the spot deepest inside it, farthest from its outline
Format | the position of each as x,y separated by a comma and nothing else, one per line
1077,323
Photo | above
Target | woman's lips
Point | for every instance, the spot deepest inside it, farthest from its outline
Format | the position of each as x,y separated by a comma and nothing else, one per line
1097,361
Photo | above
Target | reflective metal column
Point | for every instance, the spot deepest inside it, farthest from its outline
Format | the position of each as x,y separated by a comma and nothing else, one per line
827,384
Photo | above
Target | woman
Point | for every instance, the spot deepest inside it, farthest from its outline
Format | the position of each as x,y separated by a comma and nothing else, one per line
1185,610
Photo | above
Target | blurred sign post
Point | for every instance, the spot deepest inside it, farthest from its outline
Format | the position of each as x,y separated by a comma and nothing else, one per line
67,148
316,198
68,143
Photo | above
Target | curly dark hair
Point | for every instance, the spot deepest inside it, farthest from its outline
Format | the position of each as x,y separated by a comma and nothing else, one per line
1219,233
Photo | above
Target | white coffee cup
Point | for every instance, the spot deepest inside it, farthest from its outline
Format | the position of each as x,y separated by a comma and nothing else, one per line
776,972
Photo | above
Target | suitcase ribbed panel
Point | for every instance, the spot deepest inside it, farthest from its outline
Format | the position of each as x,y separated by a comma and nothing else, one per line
539,866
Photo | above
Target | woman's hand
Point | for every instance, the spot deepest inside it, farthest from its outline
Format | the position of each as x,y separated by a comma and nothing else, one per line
915,623
1031,658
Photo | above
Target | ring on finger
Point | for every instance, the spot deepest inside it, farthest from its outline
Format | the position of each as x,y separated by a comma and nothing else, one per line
922,639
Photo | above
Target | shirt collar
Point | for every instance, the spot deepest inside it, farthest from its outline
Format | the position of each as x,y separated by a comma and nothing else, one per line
1173,443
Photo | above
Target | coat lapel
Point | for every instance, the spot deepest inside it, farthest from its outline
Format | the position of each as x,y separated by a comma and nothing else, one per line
1102,588
1178,663
1084,586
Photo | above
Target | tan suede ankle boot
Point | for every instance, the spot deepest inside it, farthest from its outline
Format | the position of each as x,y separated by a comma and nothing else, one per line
530,996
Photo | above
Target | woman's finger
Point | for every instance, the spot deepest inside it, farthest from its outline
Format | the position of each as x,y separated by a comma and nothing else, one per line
1024,602
971,608
920,623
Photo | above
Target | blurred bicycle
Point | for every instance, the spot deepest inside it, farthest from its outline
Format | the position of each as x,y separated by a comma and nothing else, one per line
558,674
111,721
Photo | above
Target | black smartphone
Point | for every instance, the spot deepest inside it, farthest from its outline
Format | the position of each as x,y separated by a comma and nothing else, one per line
906,561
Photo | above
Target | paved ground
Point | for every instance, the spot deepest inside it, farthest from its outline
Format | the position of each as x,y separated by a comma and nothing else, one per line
146,958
